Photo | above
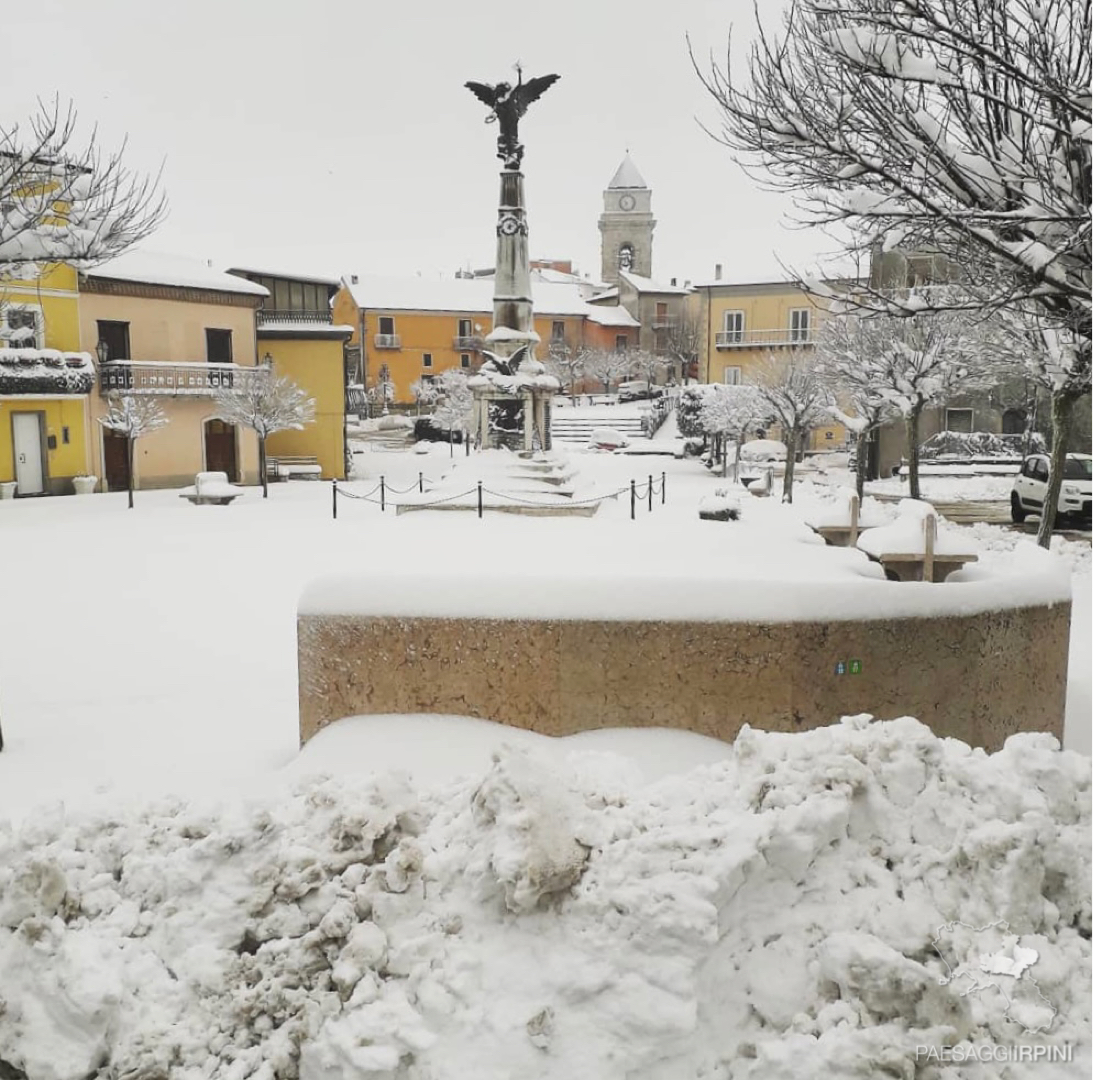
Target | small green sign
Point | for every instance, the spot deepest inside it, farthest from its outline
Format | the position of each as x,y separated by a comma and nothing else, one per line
855,667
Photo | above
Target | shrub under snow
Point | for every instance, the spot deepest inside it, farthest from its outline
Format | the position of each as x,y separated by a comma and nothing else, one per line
771,917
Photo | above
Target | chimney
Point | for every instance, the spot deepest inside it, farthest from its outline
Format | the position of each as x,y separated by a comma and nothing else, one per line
354,280
717,272
687,284
673,281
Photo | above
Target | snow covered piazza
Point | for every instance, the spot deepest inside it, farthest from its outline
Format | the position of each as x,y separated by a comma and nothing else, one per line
186,893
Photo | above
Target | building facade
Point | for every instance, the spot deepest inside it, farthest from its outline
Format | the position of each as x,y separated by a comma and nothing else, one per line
46,383
178,331
416,328
298,339
743,328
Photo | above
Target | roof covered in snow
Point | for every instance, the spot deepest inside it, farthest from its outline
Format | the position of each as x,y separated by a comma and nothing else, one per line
627,176
645,285
474,296
284,275
158,268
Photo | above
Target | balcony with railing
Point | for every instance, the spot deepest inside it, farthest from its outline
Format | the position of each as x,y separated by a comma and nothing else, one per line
665,322
387,341
764,339
286,315
467,343
169,378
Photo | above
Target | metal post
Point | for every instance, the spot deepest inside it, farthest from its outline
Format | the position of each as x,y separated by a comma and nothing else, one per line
650,493
663,488
383,495
633,499
334,493
479,498
420,483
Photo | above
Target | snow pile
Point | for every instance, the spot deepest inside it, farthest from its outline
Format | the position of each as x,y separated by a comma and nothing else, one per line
45,371
826,507
771,916
995,540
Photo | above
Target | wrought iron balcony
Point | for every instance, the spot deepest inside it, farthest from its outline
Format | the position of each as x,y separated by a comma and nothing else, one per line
763,339
467,343
280,315
169,378
388,341
665,322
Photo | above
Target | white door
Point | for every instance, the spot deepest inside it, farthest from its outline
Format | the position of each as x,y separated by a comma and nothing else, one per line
27,429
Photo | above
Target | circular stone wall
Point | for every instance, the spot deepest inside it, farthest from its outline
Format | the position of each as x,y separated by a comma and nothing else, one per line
978,677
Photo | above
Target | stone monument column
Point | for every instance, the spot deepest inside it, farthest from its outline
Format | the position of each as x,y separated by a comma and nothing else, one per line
511,371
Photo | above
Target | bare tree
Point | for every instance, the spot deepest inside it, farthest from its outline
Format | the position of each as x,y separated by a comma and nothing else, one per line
733,413
424,392
264,404
63,199
647,365
609,366
132,417
683,341
916,362
566,364
844,355
798,400
943,126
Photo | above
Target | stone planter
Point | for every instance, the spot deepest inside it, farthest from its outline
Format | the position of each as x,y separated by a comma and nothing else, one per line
7,489
85,485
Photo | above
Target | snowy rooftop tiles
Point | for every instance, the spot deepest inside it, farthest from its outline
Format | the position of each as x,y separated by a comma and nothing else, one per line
158,268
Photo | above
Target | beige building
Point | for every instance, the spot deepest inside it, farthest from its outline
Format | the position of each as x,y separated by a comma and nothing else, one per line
746,326
179,331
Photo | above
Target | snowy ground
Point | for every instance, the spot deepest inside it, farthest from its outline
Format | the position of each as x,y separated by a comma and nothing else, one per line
773,909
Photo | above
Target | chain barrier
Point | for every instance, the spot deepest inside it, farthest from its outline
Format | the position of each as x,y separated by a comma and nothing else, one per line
645,492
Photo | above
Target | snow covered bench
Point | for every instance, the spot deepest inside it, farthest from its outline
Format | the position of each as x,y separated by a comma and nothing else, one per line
211,488
841,527
910,549
301,467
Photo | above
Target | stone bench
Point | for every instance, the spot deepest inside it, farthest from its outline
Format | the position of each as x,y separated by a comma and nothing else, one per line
925,565
211,489
301,467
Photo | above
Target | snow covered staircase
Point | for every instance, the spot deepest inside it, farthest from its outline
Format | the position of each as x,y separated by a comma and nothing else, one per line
573,428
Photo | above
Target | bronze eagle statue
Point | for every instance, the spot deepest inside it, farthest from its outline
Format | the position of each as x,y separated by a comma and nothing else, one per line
508,104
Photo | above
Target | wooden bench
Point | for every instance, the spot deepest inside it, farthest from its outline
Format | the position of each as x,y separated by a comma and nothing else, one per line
211,489
300,467
924,565
839,535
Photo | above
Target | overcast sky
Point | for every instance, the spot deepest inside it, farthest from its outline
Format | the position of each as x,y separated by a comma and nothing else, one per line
326,138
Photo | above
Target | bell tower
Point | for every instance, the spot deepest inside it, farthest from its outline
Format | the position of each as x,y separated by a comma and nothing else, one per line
626,225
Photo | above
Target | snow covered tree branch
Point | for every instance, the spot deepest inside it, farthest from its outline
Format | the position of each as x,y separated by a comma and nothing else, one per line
608,366
266,405
732,413
956,127
133,417
66,201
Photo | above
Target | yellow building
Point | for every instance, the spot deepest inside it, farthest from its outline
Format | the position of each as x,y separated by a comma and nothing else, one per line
298,338
45,385
744,327
177,330
418,327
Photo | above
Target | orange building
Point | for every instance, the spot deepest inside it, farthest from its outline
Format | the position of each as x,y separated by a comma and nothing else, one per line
419,327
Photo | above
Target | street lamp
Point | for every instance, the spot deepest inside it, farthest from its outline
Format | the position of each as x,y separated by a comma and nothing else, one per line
268,360
102,350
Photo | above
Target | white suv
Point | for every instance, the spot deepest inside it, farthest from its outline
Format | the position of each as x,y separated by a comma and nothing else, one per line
1030,485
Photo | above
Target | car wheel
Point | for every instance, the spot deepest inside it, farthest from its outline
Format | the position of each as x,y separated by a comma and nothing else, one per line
1017,511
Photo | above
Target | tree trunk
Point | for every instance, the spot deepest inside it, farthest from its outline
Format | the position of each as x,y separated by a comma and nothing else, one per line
724,456
912,450
1062,408
129,444
736,462
791,461
262,466
862,464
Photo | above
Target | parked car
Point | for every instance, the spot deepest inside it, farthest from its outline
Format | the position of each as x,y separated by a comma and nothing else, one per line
1030,485
635,390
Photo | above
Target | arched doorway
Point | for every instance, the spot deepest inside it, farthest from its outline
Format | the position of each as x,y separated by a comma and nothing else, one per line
220,455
